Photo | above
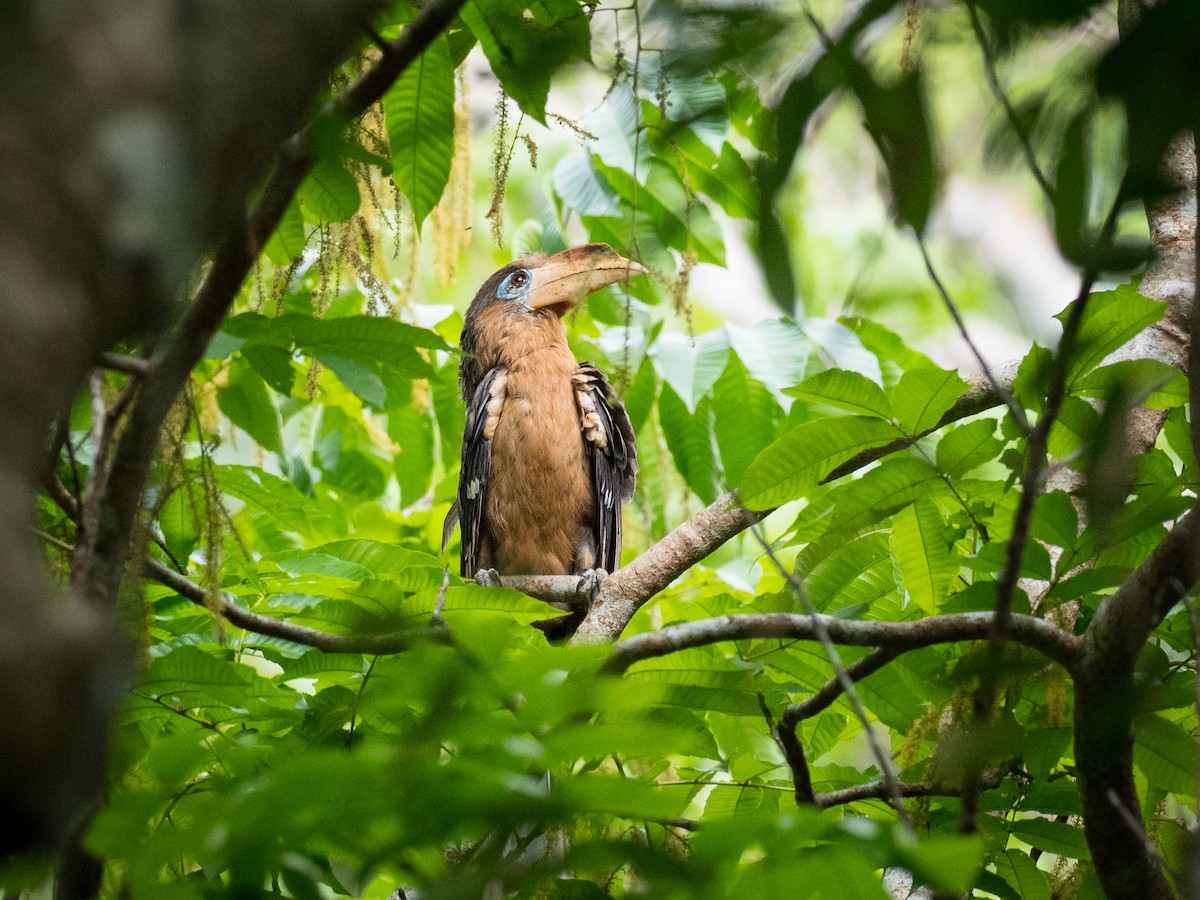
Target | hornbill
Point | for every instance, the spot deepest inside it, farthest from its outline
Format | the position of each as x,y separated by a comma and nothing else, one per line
548,453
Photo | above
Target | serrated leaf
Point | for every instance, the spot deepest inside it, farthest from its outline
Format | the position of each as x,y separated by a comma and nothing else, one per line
845,390
419,109
922,552
795,462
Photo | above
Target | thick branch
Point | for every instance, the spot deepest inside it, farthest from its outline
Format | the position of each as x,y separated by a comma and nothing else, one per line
1039,634
231,265
1104,708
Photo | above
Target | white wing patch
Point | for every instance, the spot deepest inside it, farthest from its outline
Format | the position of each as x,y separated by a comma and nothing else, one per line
589,419
495,405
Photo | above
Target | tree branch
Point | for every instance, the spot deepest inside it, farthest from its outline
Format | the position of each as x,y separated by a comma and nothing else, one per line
824,698
1104,707
1048,639
393,642
879,790
793,752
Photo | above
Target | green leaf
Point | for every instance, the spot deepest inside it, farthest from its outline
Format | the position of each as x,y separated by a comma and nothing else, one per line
689,438
419,109
898,120
680,222
329,193
1055,521
795,462
841,347
1109,321
775,351
365,352
965,447
922,552
1166,753
692,365
1023,875
286,242
245,400
745,418
726,178
841,389
860,573
526,42
1052,837
1154,384
274,364
582,188
860,502
923,396
271,495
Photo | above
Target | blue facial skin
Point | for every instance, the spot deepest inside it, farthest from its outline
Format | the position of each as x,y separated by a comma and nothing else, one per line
516,287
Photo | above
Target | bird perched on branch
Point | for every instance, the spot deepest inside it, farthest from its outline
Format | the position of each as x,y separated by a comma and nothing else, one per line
548,454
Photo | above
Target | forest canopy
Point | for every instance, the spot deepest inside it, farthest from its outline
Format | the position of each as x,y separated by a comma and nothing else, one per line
906,590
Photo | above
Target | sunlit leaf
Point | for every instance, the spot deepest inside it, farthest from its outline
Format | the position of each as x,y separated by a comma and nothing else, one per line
794,463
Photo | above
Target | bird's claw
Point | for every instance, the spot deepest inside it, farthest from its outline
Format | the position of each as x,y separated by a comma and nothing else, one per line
487,578
589,584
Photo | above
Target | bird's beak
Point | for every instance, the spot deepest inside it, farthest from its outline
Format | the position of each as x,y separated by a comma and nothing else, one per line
566,277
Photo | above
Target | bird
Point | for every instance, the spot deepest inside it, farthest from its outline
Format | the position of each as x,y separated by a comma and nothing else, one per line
549,455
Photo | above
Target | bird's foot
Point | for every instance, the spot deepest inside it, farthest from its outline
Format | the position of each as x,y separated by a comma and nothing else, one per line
487,578
589,584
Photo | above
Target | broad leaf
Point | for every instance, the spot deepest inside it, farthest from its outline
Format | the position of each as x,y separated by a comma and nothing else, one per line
796,461
419,109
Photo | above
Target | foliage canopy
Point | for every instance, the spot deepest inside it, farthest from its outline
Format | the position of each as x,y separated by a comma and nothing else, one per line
407,729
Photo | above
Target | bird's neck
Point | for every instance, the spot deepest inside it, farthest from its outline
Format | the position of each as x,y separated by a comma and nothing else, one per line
514,345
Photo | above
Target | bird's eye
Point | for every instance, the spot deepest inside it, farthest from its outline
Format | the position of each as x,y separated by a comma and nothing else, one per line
519,279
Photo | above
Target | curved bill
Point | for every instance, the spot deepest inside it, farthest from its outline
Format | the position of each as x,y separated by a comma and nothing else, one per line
566,277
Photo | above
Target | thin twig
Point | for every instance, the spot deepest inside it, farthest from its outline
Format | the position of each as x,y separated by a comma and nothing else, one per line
989,65
1014,409
123,362
824,698
53,541
436,618
880,790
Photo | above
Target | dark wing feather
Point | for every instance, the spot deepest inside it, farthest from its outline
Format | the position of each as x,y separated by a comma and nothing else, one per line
476,466
612,448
